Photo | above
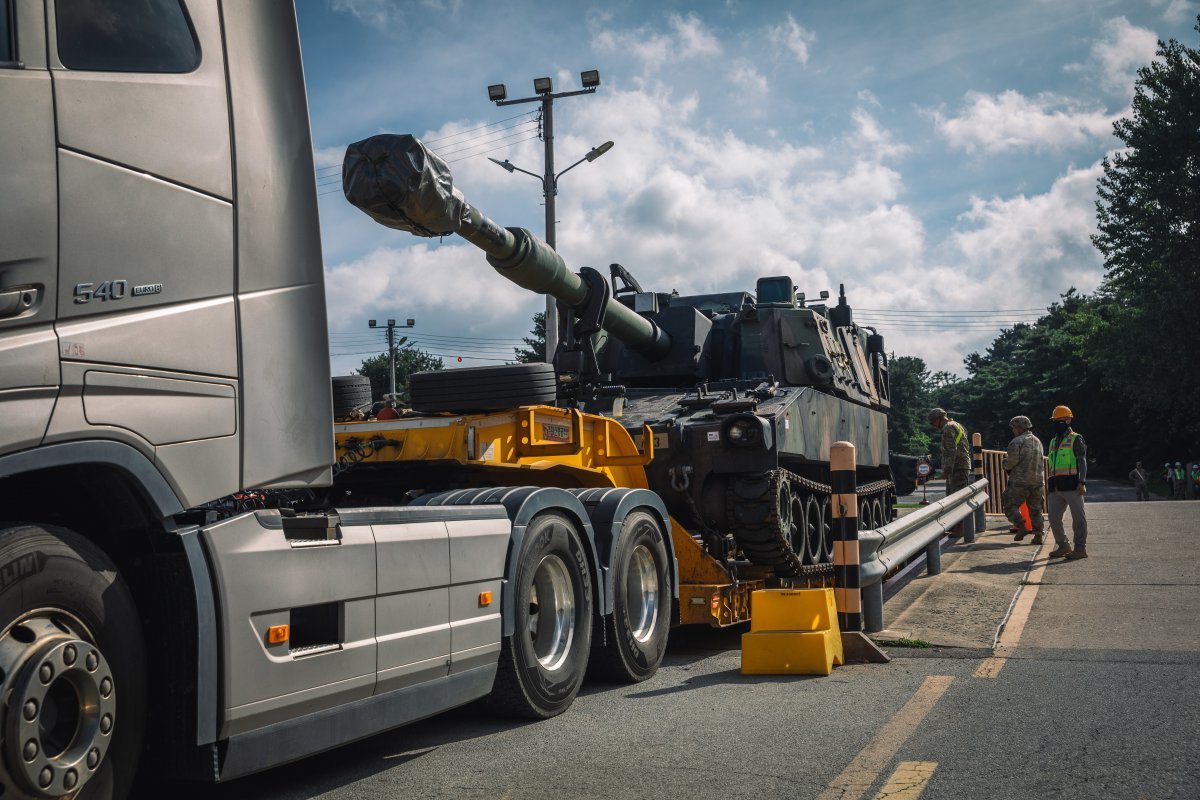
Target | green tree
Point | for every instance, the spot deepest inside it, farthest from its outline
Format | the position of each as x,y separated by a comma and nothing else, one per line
535,349
408,361
1148,218
908,430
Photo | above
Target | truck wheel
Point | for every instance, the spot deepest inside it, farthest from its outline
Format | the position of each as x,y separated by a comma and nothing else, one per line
72,666
636,631
543,663
463,391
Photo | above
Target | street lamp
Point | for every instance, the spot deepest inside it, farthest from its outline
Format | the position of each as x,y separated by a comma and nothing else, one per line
545,94
392,345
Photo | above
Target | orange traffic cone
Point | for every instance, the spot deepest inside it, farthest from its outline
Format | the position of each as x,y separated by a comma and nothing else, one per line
1025,516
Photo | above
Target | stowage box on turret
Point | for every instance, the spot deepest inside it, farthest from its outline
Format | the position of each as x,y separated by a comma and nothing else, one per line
745,393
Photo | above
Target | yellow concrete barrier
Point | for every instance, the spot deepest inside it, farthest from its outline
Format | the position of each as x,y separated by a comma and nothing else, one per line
792,632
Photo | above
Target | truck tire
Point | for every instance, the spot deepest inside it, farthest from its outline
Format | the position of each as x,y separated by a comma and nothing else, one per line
350,392
636,631
73,668
543,663
464,391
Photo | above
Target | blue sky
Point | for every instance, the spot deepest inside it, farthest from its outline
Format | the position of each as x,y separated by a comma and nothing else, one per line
936,158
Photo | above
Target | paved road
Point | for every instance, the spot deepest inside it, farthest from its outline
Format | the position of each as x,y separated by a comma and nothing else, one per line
1088,691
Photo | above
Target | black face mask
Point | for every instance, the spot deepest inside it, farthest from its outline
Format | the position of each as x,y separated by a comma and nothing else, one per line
1061,427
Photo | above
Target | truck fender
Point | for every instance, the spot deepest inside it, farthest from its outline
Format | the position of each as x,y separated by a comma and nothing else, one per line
522,504
607,509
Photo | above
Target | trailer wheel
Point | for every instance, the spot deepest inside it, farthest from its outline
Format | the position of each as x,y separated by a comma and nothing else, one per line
72,668
462,391
636,631
543,663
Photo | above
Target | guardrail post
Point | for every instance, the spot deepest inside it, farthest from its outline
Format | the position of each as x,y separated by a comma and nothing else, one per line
981,512
933,557
968,528
844,512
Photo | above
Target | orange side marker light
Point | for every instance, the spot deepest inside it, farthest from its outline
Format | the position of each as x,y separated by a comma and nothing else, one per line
278,634
485,599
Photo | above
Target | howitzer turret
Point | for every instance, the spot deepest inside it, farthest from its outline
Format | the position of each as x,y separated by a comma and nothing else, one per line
745,393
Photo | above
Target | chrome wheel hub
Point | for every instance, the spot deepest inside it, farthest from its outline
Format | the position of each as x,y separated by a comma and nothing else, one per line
60,704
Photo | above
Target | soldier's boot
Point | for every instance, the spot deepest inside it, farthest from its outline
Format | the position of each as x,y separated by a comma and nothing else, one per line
1060,551
1021,534
1077,553
1037,538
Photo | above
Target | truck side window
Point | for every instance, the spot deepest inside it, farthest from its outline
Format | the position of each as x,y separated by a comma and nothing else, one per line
8,52
120,36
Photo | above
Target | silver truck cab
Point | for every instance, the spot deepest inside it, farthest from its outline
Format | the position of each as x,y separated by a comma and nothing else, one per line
159,296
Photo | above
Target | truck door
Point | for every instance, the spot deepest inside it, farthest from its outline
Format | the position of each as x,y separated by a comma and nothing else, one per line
146,230
28,228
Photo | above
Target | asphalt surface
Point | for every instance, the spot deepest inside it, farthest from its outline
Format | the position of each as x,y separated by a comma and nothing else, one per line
1096,697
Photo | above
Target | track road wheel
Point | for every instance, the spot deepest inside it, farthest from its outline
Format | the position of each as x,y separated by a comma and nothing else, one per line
72,668
814,530
543,663
636,631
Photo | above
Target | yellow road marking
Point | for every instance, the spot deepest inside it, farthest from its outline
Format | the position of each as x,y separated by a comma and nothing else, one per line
1014,626
866,767
908,781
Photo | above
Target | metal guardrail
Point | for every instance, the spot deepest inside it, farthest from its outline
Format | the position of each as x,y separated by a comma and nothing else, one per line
886,549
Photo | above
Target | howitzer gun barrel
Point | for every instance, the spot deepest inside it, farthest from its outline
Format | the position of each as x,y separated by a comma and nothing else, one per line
396,181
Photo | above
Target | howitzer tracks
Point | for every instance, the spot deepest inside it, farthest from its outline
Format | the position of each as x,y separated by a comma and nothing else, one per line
783,520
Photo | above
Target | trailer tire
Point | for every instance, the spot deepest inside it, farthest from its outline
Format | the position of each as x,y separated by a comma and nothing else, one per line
636,630
543,662
463,391
74,668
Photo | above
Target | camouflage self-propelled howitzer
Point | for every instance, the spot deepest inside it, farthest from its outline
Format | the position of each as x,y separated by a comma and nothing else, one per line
745,393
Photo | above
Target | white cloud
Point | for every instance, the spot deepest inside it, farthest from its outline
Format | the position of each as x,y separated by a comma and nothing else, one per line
1012,121
746,77
1176,11
380,13
872,135
1116,57
687,38
792,37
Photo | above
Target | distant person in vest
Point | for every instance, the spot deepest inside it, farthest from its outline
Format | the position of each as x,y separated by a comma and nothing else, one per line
1168,475
1180,481
1067,485
1195,480
1024,466
956,456
1140,479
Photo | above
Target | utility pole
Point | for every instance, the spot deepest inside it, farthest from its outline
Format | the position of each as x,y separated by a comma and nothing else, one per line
545,94
392,345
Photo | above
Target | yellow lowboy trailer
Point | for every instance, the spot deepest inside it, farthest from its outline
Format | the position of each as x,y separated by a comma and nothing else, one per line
542,445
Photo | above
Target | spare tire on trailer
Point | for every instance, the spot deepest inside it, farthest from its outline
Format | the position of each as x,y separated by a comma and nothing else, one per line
463,391
350,392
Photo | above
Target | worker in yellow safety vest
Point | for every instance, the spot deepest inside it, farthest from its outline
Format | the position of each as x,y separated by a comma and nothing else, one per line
1066,485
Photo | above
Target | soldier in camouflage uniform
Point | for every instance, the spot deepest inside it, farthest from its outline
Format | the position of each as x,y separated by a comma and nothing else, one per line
1026,471
956,456
956,450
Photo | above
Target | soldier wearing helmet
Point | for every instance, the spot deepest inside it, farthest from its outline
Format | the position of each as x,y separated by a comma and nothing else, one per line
1180,481
1025,468
1067,460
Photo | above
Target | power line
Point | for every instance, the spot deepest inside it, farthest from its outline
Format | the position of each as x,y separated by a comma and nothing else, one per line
530,114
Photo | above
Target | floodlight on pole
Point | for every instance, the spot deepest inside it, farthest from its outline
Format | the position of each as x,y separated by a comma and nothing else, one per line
392,345
545,94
